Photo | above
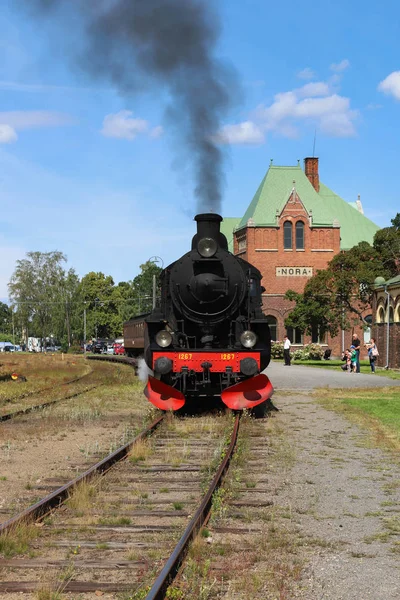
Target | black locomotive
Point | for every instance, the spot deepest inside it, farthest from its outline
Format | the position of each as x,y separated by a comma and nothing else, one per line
209,337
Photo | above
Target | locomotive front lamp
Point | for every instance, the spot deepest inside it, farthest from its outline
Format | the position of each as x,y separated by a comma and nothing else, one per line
207,247
248,339
164,338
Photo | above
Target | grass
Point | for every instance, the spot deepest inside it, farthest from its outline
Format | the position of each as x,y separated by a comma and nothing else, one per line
141,451
336,364
16,541
82,497
376,410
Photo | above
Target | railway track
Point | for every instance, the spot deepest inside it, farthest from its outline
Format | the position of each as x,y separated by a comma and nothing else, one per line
119,532
11,415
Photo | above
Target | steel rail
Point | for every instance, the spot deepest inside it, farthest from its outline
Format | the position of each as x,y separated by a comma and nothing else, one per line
111,358
11,415
41,508
201,516
29,409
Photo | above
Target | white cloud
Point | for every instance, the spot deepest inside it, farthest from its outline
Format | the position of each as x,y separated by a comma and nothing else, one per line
340,67
247,133
7,134
306,73
157,132
30,119
312,103
391,85
319,88
122,126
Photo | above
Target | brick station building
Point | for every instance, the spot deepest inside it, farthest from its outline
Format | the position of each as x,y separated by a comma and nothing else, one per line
292,228
386,321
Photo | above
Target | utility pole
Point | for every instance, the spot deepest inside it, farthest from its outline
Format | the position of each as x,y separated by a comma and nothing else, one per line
154,292
84,330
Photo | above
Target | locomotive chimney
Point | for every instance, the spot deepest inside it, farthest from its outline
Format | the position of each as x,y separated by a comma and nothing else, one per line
208,226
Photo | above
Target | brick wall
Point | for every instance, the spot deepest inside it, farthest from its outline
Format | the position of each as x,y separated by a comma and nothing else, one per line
264,248
379,332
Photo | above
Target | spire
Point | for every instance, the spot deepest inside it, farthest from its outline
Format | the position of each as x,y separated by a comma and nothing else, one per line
359,205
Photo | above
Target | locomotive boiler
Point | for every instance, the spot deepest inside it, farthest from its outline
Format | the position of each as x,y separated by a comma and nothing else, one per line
209,337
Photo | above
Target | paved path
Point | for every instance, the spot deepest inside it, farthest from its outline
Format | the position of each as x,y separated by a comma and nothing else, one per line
308,378
343,495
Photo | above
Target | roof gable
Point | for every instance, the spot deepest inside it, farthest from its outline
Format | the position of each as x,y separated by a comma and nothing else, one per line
325,208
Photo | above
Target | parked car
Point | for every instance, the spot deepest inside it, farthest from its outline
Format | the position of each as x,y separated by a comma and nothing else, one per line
119,349
110,348
7,347
99,347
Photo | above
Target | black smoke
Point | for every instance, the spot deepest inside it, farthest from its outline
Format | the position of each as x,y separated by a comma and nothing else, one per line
165,46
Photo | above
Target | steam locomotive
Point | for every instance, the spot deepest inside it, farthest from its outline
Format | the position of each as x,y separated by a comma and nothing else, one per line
209,337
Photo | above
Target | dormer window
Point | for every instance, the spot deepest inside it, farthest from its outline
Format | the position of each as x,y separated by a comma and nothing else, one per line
287,235
299,235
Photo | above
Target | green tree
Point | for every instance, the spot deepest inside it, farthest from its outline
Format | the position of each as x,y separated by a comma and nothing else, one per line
67,315
142,288
102,318
34,289
5,319
387,244
339,295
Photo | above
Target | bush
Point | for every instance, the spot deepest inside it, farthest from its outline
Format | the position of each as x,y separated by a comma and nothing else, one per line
298,354
75,349
277,350
309,352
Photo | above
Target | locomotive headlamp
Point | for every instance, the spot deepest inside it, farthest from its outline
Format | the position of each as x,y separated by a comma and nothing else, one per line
164,338
248,339
207,247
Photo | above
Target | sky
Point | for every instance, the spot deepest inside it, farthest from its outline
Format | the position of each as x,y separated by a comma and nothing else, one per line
96,175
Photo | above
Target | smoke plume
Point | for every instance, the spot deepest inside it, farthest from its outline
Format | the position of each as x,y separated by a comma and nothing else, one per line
167,47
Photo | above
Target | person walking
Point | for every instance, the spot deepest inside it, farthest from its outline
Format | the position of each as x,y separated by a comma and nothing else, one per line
357,345
372,353
286,351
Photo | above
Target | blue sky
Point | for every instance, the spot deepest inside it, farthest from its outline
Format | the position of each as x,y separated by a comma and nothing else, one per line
87,172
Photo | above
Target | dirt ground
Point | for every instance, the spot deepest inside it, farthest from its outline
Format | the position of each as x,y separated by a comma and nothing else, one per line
51,446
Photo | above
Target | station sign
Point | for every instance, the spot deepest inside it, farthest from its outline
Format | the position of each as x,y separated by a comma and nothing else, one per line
294,271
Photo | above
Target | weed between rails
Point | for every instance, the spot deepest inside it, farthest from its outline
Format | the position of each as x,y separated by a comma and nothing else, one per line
17,540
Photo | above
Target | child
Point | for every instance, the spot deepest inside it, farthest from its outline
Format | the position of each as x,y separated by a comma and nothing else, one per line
353,359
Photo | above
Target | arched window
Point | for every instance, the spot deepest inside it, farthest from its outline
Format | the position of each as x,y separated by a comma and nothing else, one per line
367,330
299,235
380,315
287,235
397,312
273,327
391,314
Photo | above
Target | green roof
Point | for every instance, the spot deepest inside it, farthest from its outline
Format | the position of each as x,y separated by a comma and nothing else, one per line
227,227
326,206
393,281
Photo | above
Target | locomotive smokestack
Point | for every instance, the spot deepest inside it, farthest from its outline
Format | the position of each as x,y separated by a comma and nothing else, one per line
208,226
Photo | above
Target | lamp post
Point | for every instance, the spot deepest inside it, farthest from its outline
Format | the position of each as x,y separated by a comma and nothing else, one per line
84,329
155,260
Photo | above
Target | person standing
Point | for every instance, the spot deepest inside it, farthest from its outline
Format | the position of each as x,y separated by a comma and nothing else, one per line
357,345
286,351
372,353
